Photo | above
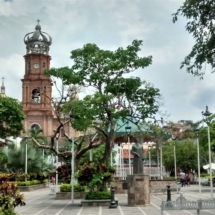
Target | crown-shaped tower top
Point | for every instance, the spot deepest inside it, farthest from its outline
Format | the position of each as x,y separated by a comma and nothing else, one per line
37,41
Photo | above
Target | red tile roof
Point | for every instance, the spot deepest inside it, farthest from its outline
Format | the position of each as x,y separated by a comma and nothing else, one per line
126,153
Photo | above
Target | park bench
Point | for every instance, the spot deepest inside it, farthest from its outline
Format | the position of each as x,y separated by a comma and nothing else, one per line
163,188
183,204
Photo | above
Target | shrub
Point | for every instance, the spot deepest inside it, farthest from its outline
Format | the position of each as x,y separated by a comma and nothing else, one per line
7,212
64,173
10,198
95,176
33,182
98,195
7,177
23,183
67,188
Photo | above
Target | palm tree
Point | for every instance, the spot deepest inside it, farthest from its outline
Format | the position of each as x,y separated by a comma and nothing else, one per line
36,163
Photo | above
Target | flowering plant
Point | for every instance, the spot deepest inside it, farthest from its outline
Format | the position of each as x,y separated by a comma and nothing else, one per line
10,197
95,176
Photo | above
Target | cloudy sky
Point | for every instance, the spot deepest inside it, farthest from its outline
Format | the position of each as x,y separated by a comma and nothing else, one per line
109,24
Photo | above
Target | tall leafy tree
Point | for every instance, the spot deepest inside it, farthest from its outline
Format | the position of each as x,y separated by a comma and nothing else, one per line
200,15
114,95
11,117
186,155
203,136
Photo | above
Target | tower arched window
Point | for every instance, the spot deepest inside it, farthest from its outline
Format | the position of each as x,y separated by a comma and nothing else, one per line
36,95
35,126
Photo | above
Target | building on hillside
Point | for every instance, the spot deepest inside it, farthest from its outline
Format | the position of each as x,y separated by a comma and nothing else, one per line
183,125
37,88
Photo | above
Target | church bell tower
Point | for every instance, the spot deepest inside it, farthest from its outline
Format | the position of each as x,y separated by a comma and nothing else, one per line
36,87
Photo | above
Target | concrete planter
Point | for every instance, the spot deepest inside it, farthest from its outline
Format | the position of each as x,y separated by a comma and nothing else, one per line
32,187
94,202
67,195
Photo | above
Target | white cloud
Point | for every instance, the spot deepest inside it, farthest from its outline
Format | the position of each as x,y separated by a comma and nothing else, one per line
109,24
11,68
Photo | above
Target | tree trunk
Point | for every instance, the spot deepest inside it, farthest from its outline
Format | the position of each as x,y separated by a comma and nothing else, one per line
108,147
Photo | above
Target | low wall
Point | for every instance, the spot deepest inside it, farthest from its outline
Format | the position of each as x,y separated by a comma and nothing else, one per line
67,195
121,186
32,187
103,202
161,182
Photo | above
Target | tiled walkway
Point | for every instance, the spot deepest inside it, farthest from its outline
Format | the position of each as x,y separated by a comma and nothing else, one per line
41,202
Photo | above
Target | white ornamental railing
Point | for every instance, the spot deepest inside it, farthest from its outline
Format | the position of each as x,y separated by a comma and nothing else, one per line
153,172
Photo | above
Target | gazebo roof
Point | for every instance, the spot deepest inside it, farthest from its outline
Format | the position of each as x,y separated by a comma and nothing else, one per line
121,133
121,127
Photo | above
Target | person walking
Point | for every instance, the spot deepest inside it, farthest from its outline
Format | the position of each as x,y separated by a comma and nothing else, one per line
182,177
187,179
53,180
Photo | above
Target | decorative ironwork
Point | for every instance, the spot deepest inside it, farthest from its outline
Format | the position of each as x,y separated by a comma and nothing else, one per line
37,41
154,172
181,203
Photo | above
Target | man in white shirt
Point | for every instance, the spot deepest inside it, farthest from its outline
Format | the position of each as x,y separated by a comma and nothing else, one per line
182,176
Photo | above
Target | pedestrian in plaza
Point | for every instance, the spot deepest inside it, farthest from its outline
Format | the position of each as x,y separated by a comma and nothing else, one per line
53,180
187,179
182,176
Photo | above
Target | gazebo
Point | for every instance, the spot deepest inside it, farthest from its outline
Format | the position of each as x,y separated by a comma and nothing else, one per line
124,132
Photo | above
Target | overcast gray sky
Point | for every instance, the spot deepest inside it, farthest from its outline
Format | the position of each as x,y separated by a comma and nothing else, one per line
109,24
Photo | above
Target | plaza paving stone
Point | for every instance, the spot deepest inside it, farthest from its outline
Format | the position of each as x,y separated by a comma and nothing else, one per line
41,202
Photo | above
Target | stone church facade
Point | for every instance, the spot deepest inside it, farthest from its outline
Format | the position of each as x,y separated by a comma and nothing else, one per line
37,88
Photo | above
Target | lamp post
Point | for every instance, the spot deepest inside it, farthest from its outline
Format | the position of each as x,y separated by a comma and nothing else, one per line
149,148
161,161
26,158
56,181
197,142
128,130
72,165
206,116
43,150
160,125
120,160
122,171
174,145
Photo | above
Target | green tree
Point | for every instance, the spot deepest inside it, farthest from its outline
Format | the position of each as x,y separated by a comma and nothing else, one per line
200,15
42,141
36,163
186,155
114,96
11,117
203,136
97,155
